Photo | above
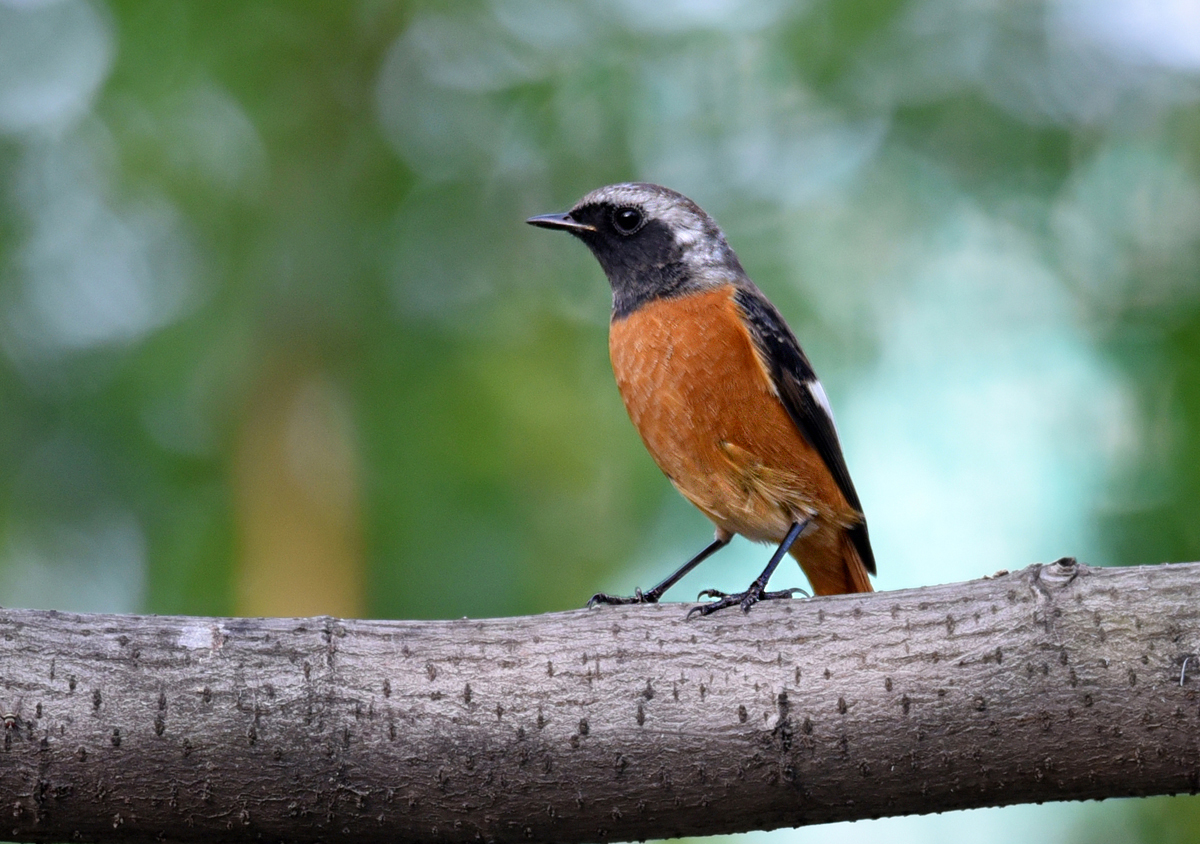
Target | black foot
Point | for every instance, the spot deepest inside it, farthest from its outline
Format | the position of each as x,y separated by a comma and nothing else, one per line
745,600
638,597
758,589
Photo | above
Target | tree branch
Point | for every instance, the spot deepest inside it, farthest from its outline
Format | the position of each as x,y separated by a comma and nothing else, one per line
1058,682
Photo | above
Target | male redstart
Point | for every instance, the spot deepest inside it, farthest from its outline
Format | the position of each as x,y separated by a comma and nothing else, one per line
721,393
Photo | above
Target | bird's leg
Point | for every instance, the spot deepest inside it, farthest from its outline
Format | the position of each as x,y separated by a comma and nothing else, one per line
652,596
757,591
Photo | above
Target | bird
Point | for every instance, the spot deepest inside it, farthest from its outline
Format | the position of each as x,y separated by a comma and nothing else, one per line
724,399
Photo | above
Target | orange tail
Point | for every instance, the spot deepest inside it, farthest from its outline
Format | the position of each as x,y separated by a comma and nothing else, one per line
833,569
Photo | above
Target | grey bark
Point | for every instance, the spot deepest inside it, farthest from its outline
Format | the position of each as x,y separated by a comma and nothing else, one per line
1058,682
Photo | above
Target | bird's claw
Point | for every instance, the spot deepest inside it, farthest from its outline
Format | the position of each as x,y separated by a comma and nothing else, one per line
638,597
745,600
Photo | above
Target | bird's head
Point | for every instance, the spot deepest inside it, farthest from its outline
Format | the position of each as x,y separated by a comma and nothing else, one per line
651,242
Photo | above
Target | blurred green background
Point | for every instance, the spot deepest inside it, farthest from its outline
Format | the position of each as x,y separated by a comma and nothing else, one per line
274,338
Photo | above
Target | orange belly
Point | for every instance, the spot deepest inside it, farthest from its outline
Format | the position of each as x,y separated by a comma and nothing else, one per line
706,409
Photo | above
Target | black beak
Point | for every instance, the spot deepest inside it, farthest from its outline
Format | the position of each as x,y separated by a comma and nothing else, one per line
560,221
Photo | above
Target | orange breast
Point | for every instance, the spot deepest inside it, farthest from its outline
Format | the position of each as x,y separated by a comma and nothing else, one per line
707,411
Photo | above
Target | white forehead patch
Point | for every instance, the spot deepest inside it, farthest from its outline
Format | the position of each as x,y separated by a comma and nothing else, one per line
696,233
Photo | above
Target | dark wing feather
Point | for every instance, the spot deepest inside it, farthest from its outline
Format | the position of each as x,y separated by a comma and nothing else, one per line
792,374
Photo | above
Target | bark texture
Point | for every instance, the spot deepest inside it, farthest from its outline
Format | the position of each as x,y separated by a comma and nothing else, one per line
1056,682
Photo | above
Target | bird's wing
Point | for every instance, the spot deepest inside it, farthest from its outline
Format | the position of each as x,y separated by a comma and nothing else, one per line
804,398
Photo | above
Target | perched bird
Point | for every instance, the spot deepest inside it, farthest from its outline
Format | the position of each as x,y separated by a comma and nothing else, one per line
721,393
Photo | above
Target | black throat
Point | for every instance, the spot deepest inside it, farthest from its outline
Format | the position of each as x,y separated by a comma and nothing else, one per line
643,286
642,268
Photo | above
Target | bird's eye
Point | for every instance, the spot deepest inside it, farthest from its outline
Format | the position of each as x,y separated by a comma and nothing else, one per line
627,220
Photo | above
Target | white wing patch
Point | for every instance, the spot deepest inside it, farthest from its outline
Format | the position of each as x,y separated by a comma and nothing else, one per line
818,394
